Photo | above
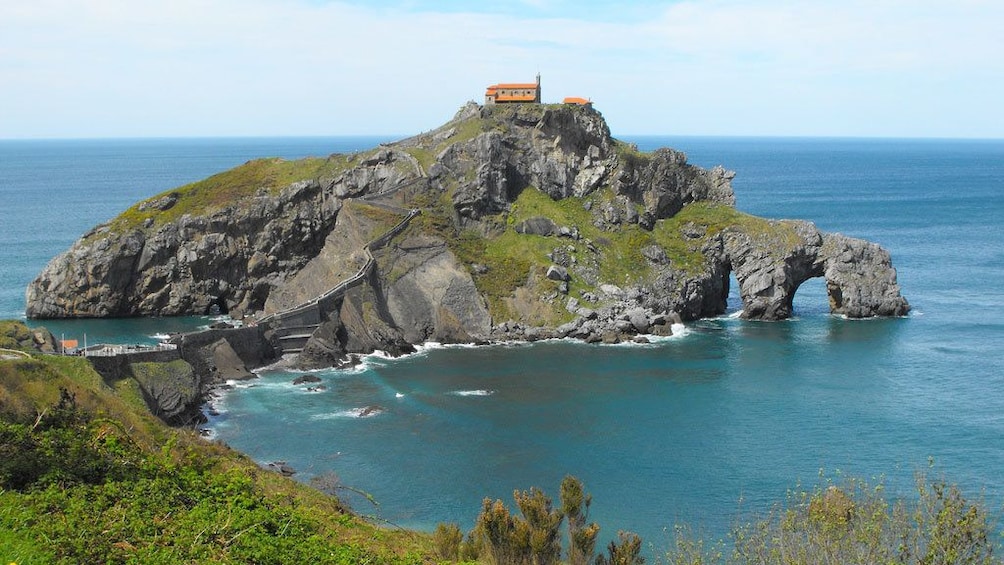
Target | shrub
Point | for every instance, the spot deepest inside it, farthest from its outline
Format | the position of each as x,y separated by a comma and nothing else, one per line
575,505
534,537
446,540
855,523
625,551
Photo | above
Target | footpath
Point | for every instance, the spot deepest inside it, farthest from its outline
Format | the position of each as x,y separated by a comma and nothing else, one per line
295,325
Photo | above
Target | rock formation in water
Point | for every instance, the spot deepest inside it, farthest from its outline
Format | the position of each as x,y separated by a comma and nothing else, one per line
509,222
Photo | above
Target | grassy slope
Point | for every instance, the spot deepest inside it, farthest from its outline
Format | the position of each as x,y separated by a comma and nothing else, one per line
225,189
513,259
113,483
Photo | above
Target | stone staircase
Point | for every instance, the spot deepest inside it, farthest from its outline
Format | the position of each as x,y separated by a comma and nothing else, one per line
294,326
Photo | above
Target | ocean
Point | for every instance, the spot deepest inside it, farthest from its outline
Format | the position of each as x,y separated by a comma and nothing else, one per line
703,429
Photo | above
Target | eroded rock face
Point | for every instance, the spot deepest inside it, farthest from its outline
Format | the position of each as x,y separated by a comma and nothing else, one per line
171,390
665,183
563,153
232,259
431,296
860,279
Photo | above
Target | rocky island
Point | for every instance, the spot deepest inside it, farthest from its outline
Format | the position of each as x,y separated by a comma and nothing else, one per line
509,222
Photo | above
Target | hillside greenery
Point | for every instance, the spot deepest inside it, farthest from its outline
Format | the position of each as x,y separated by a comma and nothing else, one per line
88,475
228,187
514,261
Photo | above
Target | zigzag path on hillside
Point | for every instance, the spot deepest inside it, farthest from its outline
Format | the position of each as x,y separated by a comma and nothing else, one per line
295,325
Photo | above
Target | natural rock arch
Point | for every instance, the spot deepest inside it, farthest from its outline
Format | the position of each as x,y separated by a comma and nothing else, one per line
770,265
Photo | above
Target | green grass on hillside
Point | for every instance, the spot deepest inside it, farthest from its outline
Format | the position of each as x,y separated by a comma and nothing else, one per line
227,188
425,152
511,257
15,335
88,475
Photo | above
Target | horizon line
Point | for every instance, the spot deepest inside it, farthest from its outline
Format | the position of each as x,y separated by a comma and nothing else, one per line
396,137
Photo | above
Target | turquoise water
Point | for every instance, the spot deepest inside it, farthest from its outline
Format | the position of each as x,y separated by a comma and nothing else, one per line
699,428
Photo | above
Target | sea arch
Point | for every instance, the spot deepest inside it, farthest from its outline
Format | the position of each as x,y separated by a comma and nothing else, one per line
770,266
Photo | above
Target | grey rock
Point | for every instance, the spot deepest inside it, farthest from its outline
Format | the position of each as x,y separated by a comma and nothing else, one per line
557,273
611,290
624,326
433,297
227,364
566,329
281,467
569,232
572,305
163,203
664,330
860,279
639,319
537,226
655,254
306,379
172,390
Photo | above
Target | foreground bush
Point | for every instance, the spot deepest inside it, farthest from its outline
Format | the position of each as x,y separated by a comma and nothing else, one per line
75,489
856,524
850,524
533,537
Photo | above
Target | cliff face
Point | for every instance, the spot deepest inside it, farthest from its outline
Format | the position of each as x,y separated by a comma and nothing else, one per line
508,221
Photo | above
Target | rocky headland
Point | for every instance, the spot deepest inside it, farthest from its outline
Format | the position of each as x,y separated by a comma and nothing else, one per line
509,222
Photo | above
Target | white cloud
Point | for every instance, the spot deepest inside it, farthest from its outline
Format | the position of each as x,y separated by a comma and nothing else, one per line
266,67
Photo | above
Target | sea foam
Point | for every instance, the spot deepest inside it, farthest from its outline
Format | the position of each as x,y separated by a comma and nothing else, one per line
477,392
360,412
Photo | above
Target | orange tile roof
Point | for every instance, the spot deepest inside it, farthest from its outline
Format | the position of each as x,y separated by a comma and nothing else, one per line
514,85
576,100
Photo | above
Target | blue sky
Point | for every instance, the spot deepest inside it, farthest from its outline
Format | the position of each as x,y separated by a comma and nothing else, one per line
121,68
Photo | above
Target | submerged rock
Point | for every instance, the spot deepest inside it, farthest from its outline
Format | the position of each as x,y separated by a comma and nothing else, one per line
304,379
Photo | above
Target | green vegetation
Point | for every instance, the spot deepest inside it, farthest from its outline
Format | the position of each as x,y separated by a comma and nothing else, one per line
15,335
855,523
385,219
513,261
87,475
630,154
533,537
224,189
466,130
509,260
719,217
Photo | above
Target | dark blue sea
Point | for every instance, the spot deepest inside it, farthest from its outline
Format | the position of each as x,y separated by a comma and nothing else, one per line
701,429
